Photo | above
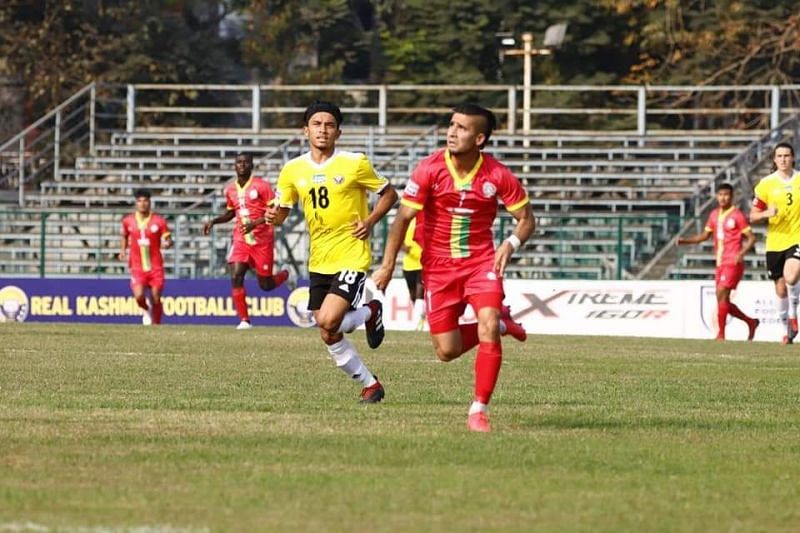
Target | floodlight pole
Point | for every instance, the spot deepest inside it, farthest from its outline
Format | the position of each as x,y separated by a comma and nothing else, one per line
527,51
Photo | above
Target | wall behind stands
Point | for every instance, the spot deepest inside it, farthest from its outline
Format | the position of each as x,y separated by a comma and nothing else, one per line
680,309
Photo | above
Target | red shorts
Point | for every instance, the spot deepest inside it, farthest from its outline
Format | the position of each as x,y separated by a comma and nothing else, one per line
258,257
153,279
729,276
451,284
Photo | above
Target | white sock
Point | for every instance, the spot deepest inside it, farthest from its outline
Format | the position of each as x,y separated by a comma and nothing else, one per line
347,358
783,309
477,407
419,309
792,292
353,319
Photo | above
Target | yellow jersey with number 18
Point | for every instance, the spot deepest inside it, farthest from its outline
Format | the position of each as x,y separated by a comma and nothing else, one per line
784,194
333,195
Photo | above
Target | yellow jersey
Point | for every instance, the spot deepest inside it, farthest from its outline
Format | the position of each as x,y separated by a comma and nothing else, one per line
333,195
411,260
782,229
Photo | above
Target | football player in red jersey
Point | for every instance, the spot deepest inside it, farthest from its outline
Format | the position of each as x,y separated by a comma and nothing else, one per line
247,200
142,234
458,188
733,238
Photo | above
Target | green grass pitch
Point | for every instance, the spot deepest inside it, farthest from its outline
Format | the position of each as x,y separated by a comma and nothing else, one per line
201,428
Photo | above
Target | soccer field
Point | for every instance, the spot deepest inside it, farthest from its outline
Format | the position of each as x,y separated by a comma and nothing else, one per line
211,428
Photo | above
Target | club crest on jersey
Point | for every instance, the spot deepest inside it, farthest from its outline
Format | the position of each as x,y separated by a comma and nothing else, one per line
489,190
154,228
338,180
412,188
316,179
253,194
730,223
491,275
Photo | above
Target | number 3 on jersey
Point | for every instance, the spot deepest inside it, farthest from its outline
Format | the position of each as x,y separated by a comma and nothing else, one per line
319,197
789,198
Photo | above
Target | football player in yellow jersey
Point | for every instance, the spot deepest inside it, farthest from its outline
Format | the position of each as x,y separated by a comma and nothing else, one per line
332,186
412,270
776,200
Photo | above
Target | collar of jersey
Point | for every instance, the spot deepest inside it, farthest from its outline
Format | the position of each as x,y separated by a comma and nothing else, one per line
142,222
461,183
241,188
324,164
723,214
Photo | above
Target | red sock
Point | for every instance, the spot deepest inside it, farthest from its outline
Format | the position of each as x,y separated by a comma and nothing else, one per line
722,317
487,368
736,312
239,301
469,337
158,311
142,301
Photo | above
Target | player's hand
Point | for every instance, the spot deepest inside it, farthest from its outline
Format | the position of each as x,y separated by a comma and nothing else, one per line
123,255
501,257
247,228
270,214
361,229
207,227
382,277
739,258
772,211
168,244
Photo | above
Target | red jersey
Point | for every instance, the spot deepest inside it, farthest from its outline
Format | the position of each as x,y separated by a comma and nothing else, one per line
250,202
728,228
144,241
459,212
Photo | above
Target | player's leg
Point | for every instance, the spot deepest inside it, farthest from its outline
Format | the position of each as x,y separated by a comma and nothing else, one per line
239,294
139,291
156,289
417,292
261,260
723,308
775,263
791,275
733,277
489,358
349,284
329,310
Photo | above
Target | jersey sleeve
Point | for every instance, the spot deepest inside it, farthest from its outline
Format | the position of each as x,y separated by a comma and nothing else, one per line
743,223
511,191
418,187
124,230
269,194
368,178
229,202
760,196
711,222
165,233
287,192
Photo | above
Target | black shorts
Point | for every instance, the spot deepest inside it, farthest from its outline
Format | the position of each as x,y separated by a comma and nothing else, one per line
413,278
776,260
349,284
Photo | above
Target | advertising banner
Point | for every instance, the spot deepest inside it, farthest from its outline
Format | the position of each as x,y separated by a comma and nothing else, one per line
678,309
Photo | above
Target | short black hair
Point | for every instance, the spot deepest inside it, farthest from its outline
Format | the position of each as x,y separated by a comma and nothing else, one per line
248,155
142,193
469,108
725,187
321,106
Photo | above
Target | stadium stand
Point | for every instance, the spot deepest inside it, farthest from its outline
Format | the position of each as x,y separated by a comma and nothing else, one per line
608,203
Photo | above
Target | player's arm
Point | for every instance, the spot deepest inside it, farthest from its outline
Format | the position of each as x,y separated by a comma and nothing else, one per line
526,224
397,232
227,216
167,238
760,211
695,239
123,252
387,198
747,245
276,215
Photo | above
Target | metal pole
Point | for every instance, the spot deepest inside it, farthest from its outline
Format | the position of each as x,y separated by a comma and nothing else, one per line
619,248
131,109
92,103
21,171
641,113
57,146
256,122
527,40
512,110
176,248
42,244
775,108
383,98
